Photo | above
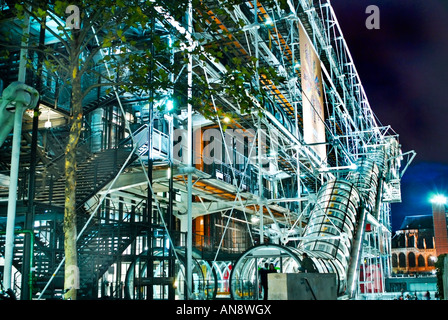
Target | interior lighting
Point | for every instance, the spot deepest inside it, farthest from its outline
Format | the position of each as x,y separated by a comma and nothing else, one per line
48,122
169,105
254,219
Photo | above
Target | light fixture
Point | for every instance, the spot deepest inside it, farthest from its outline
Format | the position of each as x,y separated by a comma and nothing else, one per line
226,119
353,166
268,21
255,219
168,173
48,122
438,199
169,105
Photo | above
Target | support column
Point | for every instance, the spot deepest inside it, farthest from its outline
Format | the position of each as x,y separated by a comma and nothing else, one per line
189,244
356,254
12,197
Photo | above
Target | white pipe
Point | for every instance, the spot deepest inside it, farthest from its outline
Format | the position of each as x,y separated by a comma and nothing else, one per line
15,162
12,198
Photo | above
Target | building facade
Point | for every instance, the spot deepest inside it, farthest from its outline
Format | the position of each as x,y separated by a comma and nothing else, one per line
413,246
223,161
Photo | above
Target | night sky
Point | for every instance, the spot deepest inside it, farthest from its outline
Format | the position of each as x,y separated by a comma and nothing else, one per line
403,67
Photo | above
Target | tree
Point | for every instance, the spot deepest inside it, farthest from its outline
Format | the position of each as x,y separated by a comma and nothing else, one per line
93,43
102,40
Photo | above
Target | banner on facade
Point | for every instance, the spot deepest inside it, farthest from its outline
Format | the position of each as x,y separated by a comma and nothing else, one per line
312,97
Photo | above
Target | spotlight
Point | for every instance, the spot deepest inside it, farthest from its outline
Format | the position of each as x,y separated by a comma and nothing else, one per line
353,166
169,105
438,199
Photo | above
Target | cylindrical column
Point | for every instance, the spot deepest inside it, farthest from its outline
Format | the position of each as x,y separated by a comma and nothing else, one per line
12,197
189,244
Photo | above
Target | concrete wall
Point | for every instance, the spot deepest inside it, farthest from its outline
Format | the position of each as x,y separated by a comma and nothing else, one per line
302,286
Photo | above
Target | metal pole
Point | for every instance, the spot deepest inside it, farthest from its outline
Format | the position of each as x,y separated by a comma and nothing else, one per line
12,198
150,218
14,173
260,165
356,254
260,183
189,244
171,262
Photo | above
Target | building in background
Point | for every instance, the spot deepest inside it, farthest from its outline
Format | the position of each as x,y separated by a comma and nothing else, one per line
413,246
420,240
415,252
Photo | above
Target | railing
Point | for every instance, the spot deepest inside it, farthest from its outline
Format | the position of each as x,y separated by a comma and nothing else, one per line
160,143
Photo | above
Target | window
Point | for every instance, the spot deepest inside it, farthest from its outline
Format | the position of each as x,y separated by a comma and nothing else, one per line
411,259
402,260
411,241
421,261
431,261
394,261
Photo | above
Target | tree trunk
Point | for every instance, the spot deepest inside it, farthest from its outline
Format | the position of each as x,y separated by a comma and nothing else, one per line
71,283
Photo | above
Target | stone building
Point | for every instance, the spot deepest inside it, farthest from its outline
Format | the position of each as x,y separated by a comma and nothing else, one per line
413,246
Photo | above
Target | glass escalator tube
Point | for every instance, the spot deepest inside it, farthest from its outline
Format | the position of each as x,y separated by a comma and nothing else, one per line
328,236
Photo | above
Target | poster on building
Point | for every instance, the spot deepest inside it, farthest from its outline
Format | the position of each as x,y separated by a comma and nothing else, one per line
312,97
370,278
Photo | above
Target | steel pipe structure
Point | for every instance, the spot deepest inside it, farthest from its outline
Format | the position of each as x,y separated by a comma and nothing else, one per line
307,169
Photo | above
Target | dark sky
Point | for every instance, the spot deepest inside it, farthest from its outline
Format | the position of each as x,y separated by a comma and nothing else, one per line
403,67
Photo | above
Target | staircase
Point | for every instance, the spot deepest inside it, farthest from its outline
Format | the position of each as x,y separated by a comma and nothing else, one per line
100,247
101,243
92,175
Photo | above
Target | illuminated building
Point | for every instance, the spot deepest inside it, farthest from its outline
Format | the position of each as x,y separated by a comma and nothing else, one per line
308,169
413,246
